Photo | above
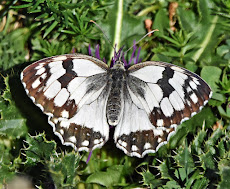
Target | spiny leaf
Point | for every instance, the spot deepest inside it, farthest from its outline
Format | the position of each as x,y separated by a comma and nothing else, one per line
198,141
165,170
39,149
224,166
150,180
212,141
184,158
63,168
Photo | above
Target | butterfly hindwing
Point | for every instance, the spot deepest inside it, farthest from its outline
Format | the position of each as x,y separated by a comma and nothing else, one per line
135,134
68,89
88,129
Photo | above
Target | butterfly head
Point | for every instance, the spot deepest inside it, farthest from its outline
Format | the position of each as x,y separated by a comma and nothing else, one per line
119,65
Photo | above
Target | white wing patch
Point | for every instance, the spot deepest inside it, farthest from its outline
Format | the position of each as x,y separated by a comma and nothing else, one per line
40,71
143,74
52,90
86,68
156,91
58,58
177,86
166,107
133,120
176,101
61,97
97,119
75,83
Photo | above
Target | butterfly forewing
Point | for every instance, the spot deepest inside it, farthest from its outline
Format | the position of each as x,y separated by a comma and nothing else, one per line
171,94
69,89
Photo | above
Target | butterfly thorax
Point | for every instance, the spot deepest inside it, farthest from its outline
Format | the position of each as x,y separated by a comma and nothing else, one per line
117,77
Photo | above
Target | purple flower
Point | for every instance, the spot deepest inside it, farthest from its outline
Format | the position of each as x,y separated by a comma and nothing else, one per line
90,154
134,59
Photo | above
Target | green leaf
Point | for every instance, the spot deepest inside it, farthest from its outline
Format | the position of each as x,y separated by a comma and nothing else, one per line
7,167
187,19
165,170
222,149
178,136
12,48
224,167
5,173
198,141
217,99
185,159
12,123
172,184
39,149
208,161
63,168
216,135
107,178
207,40
161,22
50,28
200,182
211,75
150,180
224,113
45,48
191,66
22,6
9,162
223,50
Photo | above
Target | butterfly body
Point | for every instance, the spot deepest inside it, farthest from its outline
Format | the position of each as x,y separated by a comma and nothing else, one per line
117,83
83,97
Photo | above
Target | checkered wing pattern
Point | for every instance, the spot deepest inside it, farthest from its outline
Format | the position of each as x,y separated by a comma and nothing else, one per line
158,97
80,95
69,89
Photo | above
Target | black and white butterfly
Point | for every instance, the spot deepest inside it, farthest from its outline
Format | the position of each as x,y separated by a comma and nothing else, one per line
83,97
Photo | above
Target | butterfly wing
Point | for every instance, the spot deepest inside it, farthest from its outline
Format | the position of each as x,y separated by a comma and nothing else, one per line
160,96
72,90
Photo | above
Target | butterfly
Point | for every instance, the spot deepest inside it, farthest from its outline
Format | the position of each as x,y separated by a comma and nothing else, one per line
83,97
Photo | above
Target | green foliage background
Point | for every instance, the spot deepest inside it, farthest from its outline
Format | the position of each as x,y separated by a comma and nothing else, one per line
197,156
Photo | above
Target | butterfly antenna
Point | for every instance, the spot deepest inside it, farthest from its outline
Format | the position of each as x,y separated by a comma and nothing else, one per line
140,40
104,34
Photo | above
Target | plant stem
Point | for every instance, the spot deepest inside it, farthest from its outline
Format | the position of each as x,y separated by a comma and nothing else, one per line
118,27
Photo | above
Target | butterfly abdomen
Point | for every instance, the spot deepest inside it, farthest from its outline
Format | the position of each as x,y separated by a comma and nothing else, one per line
114,103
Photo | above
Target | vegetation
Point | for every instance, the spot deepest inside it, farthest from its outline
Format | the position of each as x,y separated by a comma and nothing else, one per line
192,34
